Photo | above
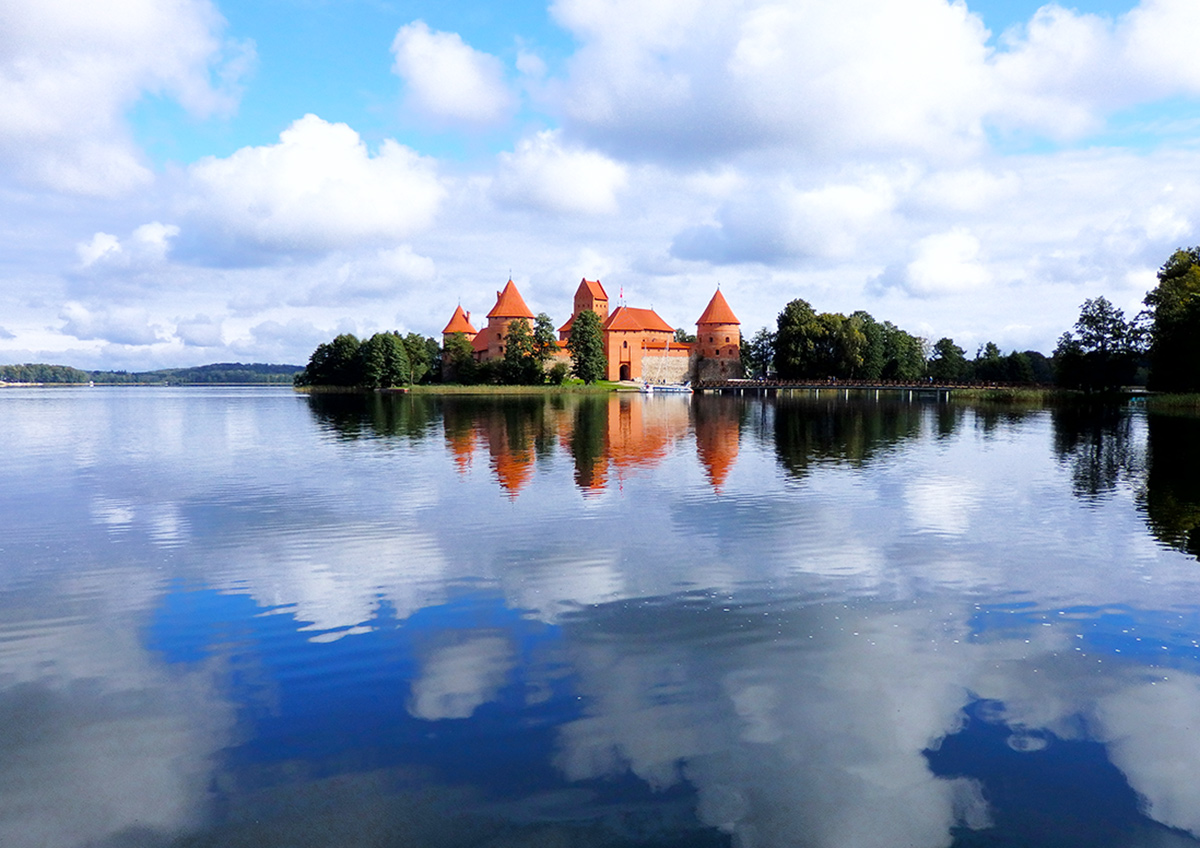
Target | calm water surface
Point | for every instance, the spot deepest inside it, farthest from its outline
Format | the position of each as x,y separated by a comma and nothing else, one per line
245,617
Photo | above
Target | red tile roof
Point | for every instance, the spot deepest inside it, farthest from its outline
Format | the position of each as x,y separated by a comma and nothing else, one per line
459,323
718,312
629,318
510,304
593,288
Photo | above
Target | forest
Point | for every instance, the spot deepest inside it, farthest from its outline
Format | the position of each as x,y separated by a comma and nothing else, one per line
218,373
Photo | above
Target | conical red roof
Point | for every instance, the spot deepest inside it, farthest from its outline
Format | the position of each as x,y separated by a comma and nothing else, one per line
510,304
718,312
459,323
593,288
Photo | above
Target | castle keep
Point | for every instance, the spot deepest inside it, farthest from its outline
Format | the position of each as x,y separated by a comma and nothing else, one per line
638,343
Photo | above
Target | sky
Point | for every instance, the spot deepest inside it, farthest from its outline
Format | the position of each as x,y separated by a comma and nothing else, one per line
186,181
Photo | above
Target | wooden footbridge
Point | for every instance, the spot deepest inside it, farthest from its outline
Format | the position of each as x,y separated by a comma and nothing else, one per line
912,389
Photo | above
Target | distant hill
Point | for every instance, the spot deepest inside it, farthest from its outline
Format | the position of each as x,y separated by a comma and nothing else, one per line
217,373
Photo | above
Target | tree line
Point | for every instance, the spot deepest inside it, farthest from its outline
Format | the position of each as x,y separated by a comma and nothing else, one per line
807,345
387,360
217,373
1158,347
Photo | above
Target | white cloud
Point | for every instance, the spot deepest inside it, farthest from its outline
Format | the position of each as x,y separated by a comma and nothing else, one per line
124,326
942,263
672,80
770,222
1064,72
446,79
200,331
70,71
147,245
318,188
547,174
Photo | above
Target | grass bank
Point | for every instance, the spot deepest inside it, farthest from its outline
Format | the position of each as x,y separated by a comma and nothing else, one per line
568,388
1173,403
1013,395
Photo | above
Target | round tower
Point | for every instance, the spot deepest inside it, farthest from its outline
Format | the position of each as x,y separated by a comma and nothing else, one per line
718,348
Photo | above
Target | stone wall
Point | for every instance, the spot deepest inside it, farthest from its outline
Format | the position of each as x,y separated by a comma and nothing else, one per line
671,368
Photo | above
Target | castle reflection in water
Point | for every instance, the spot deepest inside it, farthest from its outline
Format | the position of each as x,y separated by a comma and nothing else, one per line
609,438
612,437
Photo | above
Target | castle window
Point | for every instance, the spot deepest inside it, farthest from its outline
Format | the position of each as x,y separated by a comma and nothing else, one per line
625,344
710,339
727,340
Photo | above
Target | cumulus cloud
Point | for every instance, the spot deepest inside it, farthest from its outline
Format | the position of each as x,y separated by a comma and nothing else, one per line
148,244
668,80
124,326
942,263
69,72
545,173
772,222
318,188
1064,72
200,331
698,79
379,274
448,80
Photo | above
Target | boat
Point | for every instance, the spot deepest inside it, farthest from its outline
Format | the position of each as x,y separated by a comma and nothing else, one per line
648,388
666,388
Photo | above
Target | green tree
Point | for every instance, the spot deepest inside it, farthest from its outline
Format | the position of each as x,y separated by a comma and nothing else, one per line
397,368
459,359
874,355
545,339
521,365
1174,315
1102,354
419,363
989,364
904,354
586,345
948,364
334,363
683,336
758,352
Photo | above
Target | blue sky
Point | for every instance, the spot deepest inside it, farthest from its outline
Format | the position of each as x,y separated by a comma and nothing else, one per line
199,180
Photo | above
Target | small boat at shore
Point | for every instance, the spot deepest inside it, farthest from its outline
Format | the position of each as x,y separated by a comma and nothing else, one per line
666,388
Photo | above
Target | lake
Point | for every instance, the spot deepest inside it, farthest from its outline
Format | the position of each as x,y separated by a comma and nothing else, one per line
248,617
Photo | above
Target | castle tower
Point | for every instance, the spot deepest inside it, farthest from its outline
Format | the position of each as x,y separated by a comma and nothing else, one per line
718,341
510,306
590,295
460,322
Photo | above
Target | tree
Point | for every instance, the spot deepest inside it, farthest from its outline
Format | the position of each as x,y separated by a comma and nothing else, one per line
874,356
758,352
988,365
1174,316
520,366
948,364
459,359
419,363
683,336
904,354
586,345
334,363
545,340
1102,353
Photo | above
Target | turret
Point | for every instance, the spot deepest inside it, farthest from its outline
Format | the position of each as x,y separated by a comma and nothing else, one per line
718,345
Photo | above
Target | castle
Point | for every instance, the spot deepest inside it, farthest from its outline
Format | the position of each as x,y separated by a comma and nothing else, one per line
638,343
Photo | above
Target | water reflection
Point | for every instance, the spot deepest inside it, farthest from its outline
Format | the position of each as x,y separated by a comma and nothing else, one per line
1171,496
1152,456
593,621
